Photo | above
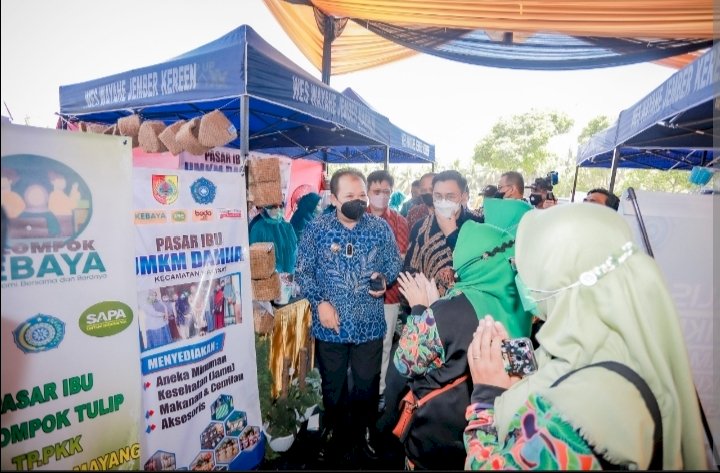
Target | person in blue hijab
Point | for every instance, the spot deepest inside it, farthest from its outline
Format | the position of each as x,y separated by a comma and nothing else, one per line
306,210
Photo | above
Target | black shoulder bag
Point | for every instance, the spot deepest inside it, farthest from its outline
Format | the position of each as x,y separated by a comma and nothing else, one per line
656,462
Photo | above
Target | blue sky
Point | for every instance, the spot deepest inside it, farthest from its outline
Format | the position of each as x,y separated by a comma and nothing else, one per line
46,44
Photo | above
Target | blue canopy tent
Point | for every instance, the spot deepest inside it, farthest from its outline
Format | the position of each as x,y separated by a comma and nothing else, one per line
276,105
598,153
670,128
402,146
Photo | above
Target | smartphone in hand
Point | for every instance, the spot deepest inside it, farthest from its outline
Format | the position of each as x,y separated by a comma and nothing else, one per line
518,356
377,283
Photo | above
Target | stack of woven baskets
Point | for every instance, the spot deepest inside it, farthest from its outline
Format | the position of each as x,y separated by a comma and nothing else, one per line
264,187
265,283
195,136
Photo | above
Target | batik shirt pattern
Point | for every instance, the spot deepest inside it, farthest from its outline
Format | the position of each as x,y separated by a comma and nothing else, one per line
335,264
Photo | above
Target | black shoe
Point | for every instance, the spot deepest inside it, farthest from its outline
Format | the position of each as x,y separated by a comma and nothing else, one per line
368,447
326,452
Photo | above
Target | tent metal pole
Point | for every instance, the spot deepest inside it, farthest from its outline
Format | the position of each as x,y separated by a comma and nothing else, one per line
572,196
386,164
613,170
244,126
328,37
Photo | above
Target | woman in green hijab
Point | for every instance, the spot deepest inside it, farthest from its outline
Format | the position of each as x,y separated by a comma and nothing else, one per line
602,300
432,349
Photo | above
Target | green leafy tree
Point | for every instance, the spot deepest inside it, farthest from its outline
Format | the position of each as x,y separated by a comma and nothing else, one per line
595,125
520,142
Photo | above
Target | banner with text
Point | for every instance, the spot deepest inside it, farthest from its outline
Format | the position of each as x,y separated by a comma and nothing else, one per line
200,401
70,386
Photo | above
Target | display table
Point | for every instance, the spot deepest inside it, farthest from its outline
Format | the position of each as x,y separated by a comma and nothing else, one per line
291,333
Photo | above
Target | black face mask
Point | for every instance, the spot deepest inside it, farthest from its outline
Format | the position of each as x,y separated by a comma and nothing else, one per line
427,199
499,195
354,209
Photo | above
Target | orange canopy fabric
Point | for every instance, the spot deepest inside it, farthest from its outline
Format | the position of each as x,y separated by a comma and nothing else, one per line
354,50
358,48
609,18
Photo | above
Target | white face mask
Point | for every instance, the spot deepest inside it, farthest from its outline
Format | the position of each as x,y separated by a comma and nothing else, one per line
379,201
446,208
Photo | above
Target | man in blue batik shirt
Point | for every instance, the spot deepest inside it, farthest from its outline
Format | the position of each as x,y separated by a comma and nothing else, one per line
339,256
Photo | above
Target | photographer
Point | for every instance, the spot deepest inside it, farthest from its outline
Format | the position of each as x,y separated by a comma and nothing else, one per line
541,193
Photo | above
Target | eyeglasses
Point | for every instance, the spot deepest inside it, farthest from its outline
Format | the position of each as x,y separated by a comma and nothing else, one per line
273,207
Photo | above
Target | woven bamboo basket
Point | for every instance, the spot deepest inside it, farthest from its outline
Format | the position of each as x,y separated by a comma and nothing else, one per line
266,289
130,125
148,136
168,137
216,130
263,194
111,130
263,170
96,127
262,260
263,321
187,137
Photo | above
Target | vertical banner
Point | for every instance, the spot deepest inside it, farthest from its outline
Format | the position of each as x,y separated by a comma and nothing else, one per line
200,392
680,230
70,385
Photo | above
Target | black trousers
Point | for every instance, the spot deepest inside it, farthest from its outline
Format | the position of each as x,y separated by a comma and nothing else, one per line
364,361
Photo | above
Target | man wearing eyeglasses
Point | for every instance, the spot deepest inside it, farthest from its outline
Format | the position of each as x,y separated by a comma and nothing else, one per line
433,239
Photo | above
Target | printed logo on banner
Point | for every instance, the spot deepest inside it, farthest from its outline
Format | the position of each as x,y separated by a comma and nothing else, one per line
202,215
143,217
203,191
39,333
105,319
230,213
179,216
48,205
165,188
43,199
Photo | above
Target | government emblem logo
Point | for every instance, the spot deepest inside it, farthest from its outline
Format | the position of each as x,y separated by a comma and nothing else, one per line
203,191
165,188
39,333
